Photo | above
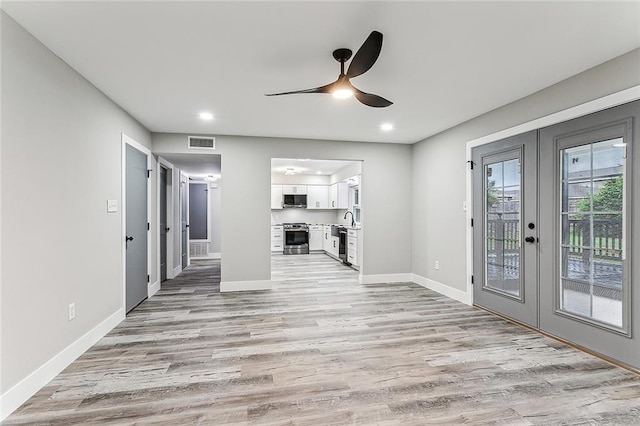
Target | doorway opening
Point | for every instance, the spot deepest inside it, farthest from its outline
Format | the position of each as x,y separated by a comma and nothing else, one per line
316,209
195,210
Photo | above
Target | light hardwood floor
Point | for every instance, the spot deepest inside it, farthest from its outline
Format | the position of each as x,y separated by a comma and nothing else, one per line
321,349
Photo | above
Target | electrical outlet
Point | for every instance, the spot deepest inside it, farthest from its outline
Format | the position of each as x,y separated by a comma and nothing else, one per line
72,311
436,265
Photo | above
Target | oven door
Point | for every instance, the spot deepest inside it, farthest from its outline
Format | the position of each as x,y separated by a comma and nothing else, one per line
296,241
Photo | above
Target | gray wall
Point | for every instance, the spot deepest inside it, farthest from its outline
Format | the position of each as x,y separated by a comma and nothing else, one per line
438,164
246,164
61,161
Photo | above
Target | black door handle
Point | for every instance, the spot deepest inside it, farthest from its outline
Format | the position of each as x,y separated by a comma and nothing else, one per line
129,238
167,229
530,239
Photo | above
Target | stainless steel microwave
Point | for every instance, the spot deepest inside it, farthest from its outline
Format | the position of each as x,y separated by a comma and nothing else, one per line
295,201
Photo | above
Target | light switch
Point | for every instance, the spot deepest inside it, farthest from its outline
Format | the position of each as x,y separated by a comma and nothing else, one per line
112,206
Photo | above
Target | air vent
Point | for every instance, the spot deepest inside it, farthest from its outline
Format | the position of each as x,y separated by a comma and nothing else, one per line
202,142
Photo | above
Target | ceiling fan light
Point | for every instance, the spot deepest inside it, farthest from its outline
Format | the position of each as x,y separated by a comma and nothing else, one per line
342,93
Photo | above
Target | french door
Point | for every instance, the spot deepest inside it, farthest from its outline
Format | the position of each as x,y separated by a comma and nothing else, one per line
557,240
505,239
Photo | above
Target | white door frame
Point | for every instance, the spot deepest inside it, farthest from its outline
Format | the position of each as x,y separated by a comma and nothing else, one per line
184,178
596,105
170,205
127,140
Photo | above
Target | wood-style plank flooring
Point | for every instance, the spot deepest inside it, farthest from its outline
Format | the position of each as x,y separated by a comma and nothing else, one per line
321,349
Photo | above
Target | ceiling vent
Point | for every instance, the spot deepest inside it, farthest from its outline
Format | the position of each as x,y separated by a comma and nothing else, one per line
202,142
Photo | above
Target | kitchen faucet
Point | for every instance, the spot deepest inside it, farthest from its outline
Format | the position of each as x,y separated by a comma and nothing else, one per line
353,222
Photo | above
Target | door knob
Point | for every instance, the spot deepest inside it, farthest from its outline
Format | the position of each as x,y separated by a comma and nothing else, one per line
530,239
167,229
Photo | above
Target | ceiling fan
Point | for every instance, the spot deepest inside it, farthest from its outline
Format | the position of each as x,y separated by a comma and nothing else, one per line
363,60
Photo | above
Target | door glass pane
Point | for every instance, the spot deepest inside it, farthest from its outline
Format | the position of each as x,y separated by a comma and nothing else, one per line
592,198
502,227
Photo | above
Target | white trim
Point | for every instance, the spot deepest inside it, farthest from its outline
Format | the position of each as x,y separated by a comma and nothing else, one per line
27,387
385,278
150,291
596,105
228,286
126,140
170,200
153,288
443,289
176,271
184,178
209,256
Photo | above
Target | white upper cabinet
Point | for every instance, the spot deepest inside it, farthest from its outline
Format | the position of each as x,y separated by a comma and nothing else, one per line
294,189
276,196
317,197
339,196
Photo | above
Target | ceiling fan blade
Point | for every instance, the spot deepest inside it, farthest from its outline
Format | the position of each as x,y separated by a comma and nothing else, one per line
321,89
366,56
372,100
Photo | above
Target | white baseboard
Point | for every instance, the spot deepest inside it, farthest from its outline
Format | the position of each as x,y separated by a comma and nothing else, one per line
445,290
27,387
175,271
385,278
227,286
208,256
153,288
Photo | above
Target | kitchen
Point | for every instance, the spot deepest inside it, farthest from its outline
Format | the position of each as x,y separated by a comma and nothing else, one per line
316,207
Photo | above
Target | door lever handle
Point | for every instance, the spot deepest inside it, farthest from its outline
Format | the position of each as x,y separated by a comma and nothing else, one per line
530,239
129,238
167,229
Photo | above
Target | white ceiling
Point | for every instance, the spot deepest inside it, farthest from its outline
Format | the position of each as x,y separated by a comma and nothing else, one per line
195,165
442,63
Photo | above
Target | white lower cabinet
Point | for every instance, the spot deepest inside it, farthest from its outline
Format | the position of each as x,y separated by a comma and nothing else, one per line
326,238
334,248
352,248
277,238
316,238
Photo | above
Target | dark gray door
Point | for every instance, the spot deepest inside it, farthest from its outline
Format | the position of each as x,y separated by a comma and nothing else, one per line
590,232
136,226
505,227
198,211
163,224
184,231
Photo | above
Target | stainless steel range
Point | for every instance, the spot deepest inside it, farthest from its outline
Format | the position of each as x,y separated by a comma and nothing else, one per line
296,238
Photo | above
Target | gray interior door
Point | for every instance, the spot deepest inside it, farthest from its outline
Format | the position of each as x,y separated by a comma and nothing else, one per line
184,231
505,227
163,224
590,232
198,211
136,226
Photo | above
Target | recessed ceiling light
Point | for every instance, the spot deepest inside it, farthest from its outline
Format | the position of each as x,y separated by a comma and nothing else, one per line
206,116
386,127
319,172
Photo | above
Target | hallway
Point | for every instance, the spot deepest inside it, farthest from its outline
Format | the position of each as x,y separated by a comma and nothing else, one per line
322,349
